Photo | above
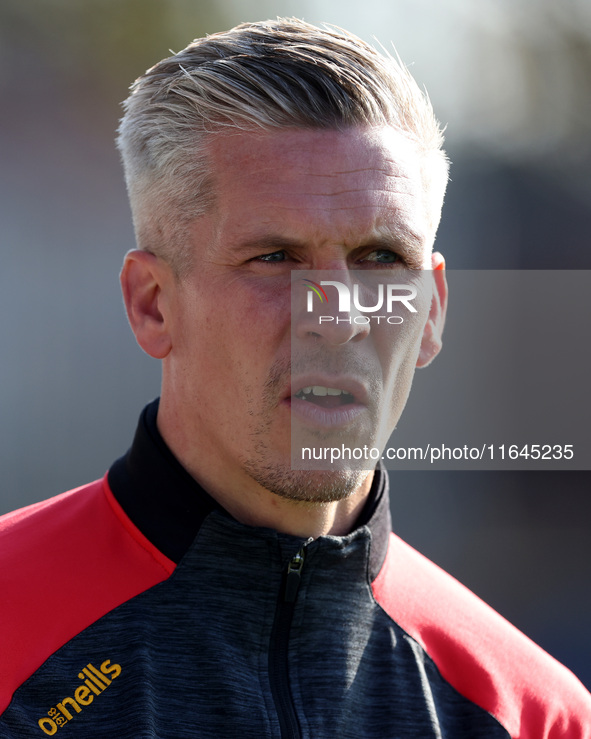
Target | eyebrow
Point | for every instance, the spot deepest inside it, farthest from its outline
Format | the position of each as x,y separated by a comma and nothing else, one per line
270,241
404,241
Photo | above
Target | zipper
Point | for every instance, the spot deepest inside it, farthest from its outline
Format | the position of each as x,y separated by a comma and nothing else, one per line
279,645
293,576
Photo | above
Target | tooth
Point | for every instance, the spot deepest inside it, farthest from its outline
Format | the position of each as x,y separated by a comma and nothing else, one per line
333,391
307,390
319,390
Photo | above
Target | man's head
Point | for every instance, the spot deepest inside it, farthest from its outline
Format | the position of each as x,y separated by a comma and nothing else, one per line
272,148
264,76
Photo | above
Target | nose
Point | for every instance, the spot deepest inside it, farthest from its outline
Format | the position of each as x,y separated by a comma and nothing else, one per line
323,311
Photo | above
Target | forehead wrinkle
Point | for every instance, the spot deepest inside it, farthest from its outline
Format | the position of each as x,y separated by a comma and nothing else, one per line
388,182
385,184
386,166
333,209
262,172
377,217
349,193
339,173
387,188
402,185
337,193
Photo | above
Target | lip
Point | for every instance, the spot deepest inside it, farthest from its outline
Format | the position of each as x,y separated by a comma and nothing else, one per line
319,417
349,384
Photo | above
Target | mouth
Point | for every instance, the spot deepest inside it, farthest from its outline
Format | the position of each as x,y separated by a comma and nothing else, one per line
327,402
325,397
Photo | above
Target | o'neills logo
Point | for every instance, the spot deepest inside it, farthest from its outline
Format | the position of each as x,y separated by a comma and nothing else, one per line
388,296
93,684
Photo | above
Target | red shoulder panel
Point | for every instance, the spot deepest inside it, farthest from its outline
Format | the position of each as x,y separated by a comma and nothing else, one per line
479,653
65,563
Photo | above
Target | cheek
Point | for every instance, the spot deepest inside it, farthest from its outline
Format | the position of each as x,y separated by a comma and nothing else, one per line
398,350
406,337
398,344
233,334
398,376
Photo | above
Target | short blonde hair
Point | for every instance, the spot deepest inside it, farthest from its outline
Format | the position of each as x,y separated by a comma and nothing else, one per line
257,76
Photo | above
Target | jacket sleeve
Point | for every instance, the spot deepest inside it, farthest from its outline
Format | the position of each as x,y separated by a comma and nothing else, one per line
479,653
66,562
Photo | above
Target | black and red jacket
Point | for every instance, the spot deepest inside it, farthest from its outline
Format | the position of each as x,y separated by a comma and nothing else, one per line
135,607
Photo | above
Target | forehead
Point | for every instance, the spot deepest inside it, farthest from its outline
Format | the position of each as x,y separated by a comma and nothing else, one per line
335,186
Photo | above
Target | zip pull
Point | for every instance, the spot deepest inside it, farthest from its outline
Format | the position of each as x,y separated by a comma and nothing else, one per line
294,573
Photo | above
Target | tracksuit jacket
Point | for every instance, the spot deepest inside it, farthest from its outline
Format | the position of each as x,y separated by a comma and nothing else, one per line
135,607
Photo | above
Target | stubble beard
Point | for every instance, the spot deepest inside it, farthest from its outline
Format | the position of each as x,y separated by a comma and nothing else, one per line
306,486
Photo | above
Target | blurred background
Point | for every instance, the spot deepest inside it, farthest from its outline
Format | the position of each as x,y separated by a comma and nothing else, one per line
511,80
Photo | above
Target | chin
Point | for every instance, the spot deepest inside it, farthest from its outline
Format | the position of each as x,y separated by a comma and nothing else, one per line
310,486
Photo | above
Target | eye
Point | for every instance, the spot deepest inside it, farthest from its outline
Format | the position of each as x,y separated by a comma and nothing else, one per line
382,256
275,256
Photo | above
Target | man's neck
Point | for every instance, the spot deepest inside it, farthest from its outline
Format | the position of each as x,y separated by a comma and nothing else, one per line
251,503
298,518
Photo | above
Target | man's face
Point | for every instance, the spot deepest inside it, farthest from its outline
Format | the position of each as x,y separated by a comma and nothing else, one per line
295,200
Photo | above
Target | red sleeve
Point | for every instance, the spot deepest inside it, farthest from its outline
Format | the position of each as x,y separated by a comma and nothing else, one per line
65,563
479,653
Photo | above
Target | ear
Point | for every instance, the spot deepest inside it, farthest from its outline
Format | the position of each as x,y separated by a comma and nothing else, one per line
143,279
432,333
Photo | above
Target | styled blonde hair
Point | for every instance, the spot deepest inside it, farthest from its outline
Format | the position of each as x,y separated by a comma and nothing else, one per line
257,76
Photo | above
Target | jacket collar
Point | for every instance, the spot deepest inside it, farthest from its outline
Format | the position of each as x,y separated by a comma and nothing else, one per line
168,505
